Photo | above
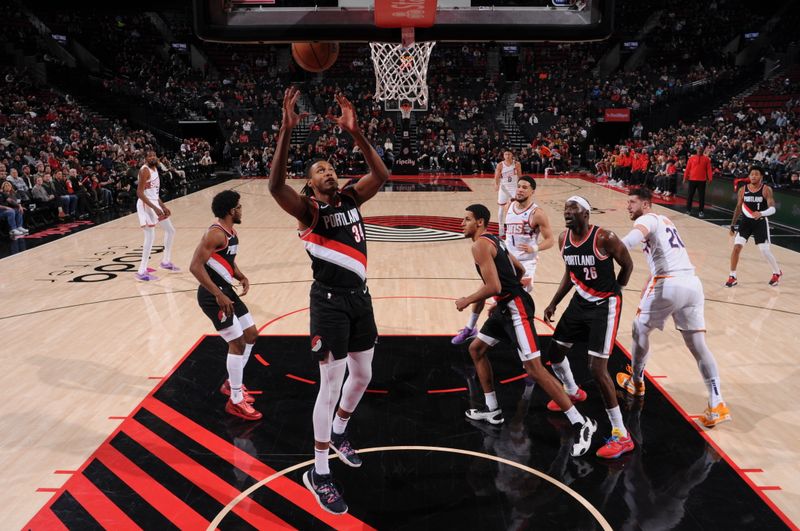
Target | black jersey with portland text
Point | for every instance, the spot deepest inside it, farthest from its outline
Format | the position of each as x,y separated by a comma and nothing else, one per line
591,273
753,201
219,265
336,243
510,284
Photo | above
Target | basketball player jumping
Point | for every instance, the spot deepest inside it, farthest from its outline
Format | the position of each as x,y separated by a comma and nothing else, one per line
343,331
525,221
755,203
511,320
152,211
672,289
214,266
589,254
505,183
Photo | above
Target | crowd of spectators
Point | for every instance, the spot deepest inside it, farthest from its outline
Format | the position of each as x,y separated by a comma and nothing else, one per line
66,162
734,138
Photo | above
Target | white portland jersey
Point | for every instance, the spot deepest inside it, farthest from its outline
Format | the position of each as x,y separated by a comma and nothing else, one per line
665,251
508,174
519,231
153,186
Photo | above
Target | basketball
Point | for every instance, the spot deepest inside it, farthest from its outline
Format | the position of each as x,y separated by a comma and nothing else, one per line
315,56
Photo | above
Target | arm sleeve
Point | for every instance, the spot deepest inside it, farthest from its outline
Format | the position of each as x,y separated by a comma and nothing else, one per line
768,212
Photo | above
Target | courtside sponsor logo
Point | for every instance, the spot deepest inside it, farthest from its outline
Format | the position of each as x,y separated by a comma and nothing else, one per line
102,265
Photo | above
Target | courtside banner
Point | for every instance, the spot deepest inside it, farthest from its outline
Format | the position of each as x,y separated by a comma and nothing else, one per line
618,115
405,13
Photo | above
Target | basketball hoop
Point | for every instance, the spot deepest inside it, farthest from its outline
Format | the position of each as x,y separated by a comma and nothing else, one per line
401,70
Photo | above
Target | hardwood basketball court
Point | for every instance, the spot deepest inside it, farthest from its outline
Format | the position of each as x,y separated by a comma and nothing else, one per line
85,343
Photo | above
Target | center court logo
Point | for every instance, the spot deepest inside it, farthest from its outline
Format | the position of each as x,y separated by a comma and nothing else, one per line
415,228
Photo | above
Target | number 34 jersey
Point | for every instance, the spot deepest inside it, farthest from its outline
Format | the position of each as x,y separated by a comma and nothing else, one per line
665,251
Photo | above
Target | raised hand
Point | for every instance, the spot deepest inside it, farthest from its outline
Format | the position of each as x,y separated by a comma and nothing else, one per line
290,116
348,121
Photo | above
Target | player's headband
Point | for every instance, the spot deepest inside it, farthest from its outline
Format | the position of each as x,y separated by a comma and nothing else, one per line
581,201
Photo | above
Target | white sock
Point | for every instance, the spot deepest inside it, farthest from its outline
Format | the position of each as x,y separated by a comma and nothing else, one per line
767,252
321,466
147,247
640,350
564,373
574,416
169,236
339,424
615,416
696,342
733,274
235,375
248,348
500,221
491,400
473,320
714,391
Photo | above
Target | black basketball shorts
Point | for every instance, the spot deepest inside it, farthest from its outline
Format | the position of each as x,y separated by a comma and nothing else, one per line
342,321
594,323
229,327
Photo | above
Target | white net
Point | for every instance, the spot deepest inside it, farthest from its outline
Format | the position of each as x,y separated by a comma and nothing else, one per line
401,71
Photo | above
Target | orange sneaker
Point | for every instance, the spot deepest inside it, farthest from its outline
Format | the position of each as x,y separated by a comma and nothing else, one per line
226,390
625,381
243,410
716,415
616,445
580,396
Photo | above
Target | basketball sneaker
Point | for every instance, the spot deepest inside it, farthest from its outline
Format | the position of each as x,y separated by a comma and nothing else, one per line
341,445
464,335
580,396
583,439
325,491
226,390
169,266
616,445
776,279
732,281
625,381
494,416
716,415
243,410
147,277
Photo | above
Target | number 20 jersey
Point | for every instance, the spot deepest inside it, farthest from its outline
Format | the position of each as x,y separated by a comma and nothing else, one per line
666,254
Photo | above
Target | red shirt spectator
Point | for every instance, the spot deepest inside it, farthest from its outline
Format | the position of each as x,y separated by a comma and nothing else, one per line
698,168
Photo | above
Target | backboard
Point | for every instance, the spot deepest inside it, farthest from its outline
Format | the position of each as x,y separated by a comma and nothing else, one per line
281,21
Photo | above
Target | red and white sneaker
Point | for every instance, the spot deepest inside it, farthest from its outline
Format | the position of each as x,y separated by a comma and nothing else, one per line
732,281
616,445
776,279
226,390
242,410
580,396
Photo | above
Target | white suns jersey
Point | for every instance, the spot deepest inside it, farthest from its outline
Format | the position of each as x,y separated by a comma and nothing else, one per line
665,251
519,231
508,174
153,185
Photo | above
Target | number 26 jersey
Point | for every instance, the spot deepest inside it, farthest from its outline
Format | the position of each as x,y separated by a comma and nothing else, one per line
591,272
